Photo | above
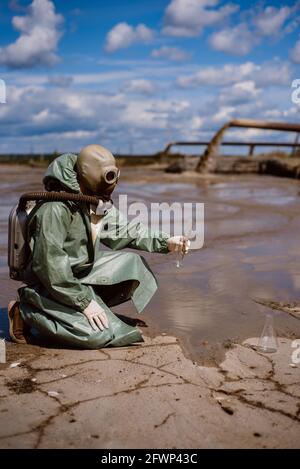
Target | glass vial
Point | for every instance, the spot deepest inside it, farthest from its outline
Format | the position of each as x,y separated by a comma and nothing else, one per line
268,340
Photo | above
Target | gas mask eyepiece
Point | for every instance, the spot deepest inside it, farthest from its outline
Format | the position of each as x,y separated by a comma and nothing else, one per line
111,175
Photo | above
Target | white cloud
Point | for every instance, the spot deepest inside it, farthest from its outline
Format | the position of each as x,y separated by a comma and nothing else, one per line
223,114
239,93
94,108
79,134
273,113
270,21
124,35
173,106
292,113
39,36
154,114
192,128
236,41
268,73
196,123
217,76
295,53
252,134
273,72
187,18
140,86
47,116
170,53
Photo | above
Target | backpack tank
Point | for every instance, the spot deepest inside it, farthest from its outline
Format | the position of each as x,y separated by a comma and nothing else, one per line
18,247
18,243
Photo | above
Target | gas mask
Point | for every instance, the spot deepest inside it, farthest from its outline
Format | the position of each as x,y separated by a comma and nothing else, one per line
97,170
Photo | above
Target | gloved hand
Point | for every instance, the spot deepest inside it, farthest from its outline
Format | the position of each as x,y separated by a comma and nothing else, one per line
179,244
96,316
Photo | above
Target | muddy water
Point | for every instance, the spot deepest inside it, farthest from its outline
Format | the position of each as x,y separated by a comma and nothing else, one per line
251,249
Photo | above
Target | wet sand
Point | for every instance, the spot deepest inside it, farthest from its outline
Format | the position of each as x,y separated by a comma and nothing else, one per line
251,249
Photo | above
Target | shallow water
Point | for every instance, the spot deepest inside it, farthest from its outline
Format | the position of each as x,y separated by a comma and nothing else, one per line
251,249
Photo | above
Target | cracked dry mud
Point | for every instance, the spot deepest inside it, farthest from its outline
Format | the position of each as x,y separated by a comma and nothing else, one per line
149,396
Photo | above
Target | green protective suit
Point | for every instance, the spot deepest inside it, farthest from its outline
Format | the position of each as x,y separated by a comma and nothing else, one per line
66,271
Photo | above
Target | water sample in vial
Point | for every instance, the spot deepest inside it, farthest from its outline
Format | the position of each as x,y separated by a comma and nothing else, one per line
268,340
180,255
179,259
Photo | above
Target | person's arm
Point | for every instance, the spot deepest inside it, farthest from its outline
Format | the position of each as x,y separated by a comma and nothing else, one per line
118,233
51,263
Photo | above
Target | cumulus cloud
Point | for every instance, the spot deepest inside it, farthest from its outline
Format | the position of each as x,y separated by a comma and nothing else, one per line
223,114
237,41
216,76
155,115
269,73
37,110
124,35
187,18
139,86
39,36
67,118
239,93
170,53
295,53
273,72
263,22
51,117
270,21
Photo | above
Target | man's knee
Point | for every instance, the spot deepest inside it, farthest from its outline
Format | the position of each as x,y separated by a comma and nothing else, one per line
135,258
133,255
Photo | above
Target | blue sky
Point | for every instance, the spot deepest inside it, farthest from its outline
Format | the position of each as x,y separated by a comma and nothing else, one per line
136,74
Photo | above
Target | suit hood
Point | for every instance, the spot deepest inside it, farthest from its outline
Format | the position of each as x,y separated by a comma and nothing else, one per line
61,173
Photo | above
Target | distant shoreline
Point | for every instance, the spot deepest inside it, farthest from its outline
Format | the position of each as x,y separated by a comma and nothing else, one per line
275,164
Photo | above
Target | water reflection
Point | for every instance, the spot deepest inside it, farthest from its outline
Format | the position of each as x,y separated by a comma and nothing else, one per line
249,252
